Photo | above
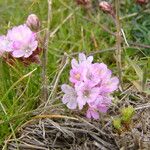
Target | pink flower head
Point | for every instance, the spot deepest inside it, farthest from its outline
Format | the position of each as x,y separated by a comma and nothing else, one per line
70,96
93,85
24,41
86,94
5,45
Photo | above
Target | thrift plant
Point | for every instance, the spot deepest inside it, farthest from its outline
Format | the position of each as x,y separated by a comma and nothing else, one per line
21,43
22,40
92,86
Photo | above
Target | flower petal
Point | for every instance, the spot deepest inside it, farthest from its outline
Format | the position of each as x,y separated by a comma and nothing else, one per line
92,113
103,108
66,88
81,102
82,57
18,53
66,99
95,115
74,63
72,104
90,59
34,45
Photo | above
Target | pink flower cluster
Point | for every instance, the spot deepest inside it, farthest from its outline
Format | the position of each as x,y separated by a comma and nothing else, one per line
20,42
92,87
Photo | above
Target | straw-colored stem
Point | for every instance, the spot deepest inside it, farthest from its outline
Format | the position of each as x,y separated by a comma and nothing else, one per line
118,41
44,60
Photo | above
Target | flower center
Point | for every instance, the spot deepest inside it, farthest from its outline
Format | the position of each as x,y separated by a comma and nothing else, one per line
77,76
90,76
86,93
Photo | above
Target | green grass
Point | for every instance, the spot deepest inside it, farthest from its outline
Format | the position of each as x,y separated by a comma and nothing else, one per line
20,94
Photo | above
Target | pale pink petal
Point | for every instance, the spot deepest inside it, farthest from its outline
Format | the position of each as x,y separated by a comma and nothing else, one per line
34,45
18,53
90,59
65,99
82,57
66,88
81,102
74,63
5,45
88,114
70,97
72,104
95,115
70,101
111,85
92,113
94,94
103,108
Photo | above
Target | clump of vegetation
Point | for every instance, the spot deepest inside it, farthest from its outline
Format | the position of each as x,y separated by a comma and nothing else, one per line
35,54
124,122
127,114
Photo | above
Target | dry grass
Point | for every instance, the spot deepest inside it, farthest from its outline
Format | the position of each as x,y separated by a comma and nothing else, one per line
57,132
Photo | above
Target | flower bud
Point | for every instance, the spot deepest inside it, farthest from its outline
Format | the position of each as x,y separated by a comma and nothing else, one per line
36,59
33,22
85,3
106,7
142,1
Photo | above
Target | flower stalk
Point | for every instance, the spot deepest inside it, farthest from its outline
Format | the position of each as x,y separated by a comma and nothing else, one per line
44,58
118,41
